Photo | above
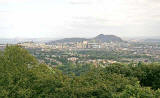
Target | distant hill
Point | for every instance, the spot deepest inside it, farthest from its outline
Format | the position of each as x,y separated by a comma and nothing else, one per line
99,38
152,40
68,40
107,38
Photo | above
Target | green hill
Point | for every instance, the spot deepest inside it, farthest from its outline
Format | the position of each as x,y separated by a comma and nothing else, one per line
22,76
99,38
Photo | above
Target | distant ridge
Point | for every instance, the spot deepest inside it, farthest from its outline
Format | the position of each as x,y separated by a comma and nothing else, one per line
99,38
107,38
152,40
67,40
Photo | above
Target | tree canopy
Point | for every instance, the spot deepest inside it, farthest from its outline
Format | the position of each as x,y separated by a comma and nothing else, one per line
22,76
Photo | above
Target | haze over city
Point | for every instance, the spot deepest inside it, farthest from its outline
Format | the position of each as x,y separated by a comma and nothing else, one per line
79,18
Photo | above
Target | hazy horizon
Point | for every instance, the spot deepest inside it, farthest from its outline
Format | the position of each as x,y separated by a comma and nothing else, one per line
79,18
88,37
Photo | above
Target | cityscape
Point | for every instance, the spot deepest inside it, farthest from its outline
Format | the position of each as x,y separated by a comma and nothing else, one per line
79,49
92,52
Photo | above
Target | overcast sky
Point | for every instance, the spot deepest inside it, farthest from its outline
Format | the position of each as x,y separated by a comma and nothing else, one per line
79,18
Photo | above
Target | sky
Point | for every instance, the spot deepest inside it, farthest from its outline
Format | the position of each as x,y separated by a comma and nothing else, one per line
79,18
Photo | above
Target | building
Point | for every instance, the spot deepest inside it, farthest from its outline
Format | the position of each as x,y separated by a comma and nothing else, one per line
73,59
94,45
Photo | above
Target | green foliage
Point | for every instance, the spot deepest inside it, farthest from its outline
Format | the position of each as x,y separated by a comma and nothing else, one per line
70,69
22,76
137,92
147,74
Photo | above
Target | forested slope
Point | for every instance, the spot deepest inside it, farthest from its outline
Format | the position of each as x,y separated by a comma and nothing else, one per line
22,76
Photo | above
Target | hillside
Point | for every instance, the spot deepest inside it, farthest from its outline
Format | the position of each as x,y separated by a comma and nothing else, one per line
107,38
22,76
99,38
152,40
68,40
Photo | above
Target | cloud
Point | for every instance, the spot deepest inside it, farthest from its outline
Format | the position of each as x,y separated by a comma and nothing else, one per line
81,2
47,17
124,17
11,1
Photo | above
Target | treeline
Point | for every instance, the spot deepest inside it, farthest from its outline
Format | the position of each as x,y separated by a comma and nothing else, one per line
22,76
113,55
